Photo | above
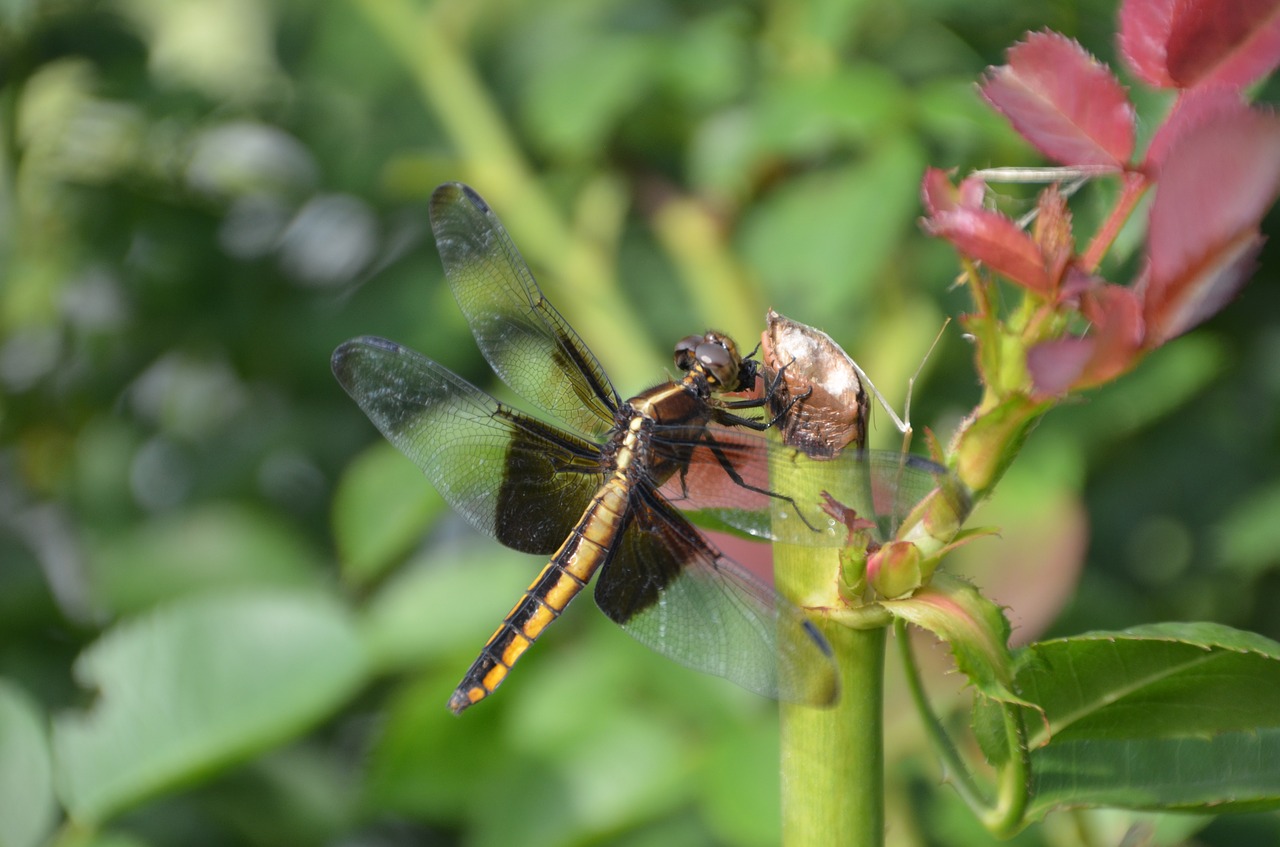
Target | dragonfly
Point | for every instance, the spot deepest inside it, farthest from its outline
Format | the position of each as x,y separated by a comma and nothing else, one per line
604,490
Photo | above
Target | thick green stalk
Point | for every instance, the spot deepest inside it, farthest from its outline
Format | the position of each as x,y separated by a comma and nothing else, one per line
833,759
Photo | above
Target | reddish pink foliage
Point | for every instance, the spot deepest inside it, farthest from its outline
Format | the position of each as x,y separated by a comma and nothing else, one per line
1144,35
1116,314
1217,182
1228,42
1214,165
1063,101
1056,365
1185,43
1200,105
997,242
939,194
1113,345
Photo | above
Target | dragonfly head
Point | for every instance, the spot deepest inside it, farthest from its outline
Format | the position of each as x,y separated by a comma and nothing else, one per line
715,357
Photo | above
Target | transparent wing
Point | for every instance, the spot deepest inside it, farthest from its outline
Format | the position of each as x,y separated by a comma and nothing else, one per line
673,591
526,341
744,482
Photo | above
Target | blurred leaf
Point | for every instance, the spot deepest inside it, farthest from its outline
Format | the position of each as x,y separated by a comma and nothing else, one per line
804,116
26,786
425,762
1166,716
824,236
578,91
1170,378
444,606
198,684
225,48
209,546
707,61
741,788
796,118
380,509
305,793
105,839
1249,537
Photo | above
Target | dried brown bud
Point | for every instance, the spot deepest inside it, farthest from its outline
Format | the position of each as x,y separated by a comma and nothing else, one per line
819,399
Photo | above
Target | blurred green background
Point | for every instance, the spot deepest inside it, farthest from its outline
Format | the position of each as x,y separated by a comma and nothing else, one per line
200,198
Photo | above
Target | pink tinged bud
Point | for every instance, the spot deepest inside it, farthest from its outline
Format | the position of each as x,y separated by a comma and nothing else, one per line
894,571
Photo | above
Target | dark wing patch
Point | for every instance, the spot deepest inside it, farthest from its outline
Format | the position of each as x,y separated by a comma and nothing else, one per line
513,477
675,593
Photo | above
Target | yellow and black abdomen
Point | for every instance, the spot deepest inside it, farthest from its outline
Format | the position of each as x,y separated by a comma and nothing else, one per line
586,549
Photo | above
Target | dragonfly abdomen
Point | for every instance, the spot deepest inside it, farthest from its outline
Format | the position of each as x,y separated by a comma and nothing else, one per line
563,577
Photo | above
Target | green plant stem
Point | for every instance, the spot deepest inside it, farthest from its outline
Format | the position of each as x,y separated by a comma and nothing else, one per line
954,769
833,759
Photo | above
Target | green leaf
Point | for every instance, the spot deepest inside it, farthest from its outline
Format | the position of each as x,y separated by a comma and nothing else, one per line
26,782
424,612
1232,772
197,684
581,87
801,117
1166,716
822,238
1250,534
974,628
212,546
380,509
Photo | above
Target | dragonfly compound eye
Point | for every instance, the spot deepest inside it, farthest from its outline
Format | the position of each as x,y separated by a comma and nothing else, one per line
686,352
718,361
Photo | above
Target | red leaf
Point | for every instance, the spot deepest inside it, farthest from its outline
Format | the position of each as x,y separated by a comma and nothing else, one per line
1116,313
1185,43
1063,101
997,242
1228,42
1112,347
1203,289
939,195
1196,107
1144,35
1217,182
1056,365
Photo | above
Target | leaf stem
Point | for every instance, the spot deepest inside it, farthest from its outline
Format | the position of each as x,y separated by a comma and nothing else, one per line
1004,816
1135,185
954,768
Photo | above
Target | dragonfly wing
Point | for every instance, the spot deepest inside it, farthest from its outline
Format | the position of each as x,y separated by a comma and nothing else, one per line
673,591
526,341
515,478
